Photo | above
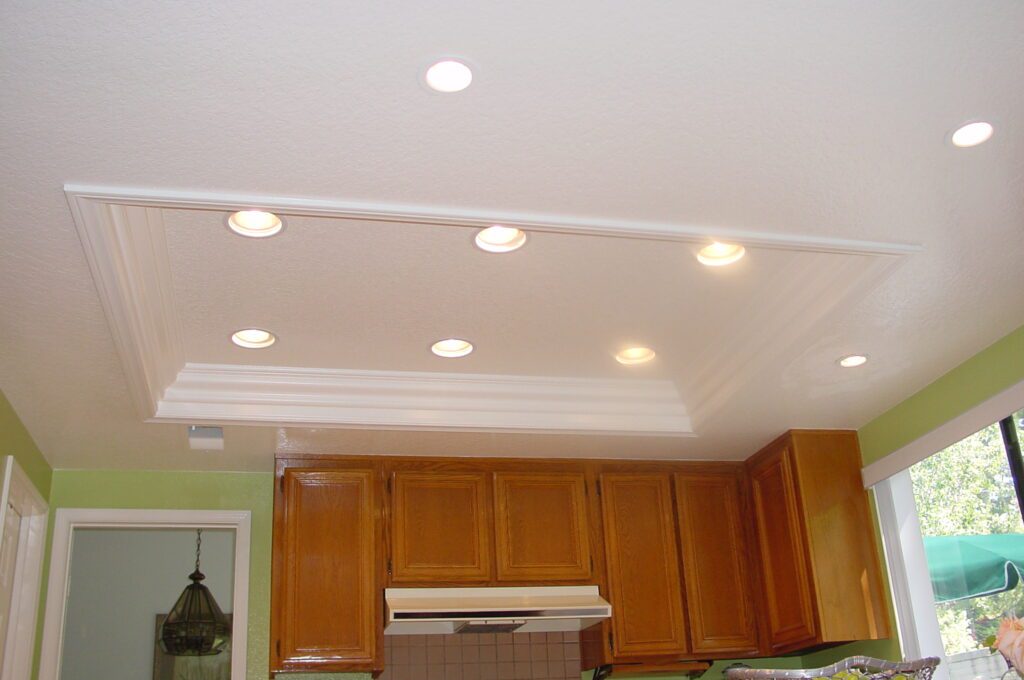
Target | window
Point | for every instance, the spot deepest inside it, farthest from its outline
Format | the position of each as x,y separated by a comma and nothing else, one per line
954,538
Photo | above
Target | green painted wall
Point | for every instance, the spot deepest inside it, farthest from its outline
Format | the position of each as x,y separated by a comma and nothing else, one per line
984,375
187,491
16,441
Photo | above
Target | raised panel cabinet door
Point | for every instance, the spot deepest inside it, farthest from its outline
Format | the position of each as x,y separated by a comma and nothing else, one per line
643,565
786,577
541,526
713,541
327,614
440,528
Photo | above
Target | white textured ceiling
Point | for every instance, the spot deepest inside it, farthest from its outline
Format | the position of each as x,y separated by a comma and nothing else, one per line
805,118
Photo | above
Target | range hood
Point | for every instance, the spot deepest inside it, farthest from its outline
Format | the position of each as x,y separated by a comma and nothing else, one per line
418,611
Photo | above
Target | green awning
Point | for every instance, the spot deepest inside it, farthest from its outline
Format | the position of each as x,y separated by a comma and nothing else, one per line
972,566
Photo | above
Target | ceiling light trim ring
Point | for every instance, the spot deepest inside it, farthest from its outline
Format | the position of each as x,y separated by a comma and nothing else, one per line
972,133
240,229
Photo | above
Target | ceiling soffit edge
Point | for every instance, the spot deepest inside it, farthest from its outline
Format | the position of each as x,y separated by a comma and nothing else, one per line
123,236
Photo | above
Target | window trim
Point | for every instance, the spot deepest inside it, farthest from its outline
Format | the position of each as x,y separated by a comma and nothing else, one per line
905,556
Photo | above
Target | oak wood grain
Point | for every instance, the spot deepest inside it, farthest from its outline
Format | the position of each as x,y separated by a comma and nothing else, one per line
712,520
541,527
643,565
325,538
440,527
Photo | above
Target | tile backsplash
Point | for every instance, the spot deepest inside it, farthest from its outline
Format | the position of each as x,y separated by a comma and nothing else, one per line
482,656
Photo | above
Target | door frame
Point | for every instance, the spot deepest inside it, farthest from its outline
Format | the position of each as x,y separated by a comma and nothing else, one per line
68,519
19,492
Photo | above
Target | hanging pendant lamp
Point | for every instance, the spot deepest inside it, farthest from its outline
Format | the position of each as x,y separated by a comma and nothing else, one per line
196,626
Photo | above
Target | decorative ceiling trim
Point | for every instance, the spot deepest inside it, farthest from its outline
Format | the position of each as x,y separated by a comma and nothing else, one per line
417,400
127,254
456,217
124,241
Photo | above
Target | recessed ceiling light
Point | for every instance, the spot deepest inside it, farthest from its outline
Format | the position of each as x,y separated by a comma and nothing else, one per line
255,223
253,338
853,361
499,239
449,76
972,134
720,254
452,348
635,355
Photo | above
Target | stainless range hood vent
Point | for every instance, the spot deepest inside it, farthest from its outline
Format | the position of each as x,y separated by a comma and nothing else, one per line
418,611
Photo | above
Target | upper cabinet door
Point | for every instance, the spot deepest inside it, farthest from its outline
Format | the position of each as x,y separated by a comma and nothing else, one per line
713,539
325,564
440,528
541,526
780,532
643,565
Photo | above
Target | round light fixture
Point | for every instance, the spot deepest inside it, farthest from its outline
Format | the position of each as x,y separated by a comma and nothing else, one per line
499,239
853,361
634,355
452,348
255,223
449,76
972,134
253,338
720,254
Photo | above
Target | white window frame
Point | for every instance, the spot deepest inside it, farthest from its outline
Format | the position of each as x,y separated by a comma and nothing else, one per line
908,571
19,492
69,519
889,478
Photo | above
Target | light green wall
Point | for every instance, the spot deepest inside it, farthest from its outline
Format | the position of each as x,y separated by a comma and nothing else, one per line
16,441
984,375
187,491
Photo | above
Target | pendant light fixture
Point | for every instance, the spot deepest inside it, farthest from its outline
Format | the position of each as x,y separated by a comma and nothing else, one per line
196,626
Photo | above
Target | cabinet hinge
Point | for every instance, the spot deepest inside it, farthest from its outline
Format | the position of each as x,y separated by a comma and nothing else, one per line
389,567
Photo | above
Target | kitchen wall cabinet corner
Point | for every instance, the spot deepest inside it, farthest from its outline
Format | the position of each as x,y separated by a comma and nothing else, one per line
326,580
819,563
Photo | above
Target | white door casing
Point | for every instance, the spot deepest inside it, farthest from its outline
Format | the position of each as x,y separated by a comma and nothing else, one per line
23,515
69,519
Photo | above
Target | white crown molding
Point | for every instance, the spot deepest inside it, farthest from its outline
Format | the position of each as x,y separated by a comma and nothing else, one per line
422,401
457,217
126,249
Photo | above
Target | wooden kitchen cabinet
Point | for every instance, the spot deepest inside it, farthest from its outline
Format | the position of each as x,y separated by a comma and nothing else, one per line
819,563
326,609
713,521
440,527
541,527
644,586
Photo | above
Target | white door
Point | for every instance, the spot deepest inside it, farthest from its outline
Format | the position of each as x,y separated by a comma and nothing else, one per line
8,559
